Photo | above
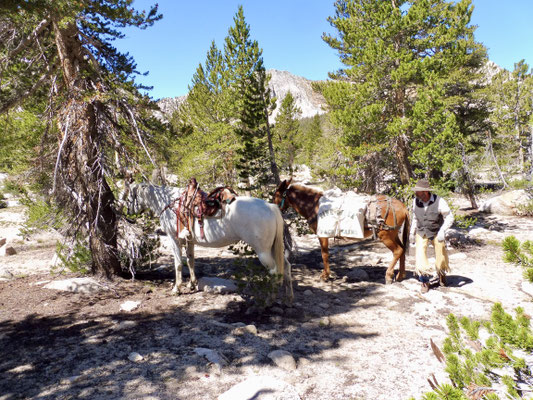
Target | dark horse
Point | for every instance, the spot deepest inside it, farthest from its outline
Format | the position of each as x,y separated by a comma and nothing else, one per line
390,215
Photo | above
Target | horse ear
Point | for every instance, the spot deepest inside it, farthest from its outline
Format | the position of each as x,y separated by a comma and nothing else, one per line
289,181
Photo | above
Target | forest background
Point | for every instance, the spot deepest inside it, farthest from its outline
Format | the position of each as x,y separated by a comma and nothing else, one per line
412,99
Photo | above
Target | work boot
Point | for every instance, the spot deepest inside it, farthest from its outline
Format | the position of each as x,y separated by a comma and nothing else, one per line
425,287
442,280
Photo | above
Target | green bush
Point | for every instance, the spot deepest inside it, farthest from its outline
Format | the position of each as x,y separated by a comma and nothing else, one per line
520,184
76,258
461,221
475,365
40,215
525,210
519,254
255,284
138,246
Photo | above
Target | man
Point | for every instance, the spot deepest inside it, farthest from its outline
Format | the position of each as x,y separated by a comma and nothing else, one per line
431,218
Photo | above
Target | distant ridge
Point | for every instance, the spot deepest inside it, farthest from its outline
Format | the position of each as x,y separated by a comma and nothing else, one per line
309,101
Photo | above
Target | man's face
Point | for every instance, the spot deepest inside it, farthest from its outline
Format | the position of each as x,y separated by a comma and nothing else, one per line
424,196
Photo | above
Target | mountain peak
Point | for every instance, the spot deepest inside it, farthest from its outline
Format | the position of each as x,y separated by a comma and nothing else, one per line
309,101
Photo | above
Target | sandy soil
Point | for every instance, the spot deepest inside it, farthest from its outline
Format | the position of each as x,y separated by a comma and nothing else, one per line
350,338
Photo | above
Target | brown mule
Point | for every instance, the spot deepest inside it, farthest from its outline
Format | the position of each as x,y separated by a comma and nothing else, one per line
391,215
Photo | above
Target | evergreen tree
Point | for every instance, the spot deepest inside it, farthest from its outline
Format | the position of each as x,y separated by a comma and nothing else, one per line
62,50
512,105
287,131
206,144
252,104
390,100
312,135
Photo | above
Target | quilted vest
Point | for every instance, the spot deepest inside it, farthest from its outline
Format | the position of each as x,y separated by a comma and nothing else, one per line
429,220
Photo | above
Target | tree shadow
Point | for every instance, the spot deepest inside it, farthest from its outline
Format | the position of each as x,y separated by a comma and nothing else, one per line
82,350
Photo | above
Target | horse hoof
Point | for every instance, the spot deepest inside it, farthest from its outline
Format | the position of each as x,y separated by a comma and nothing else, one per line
389,281
400,278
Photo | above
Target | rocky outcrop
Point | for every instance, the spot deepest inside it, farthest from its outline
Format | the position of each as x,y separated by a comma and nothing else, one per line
309,101
507,203
281,82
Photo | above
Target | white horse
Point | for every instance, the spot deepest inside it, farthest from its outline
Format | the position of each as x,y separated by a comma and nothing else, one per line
252,220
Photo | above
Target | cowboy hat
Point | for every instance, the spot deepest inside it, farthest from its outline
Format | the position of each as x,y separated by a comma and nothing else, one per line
422,186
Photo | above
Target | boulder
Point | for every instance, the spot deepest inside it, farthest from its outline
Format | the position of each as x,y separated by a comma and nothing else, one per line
216,285
506,203
261,388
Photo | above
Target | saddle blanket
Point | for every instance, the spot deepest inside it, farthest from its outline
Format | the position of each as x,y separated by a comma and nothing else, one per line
341,214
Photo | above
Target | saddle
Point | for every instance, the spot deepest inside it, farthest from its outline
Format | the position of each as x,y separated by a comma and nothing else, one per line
195,203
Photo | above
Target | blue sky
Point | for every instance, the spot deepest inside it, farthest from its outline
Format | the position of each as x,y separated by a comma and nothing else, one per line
289,32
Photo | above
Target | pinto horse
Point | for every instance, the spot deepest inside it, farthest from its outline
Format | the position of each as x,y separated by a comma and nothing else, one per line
394,214
249,219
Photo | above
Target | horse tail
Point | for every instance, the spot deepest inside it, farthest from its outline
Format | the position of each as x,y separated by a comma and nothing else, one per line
278,247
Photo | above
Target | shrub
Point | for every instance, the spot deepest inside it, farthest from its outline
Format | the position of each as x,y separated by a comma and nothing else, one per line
476,365
525,210
255,284
76,258
519,254
40,215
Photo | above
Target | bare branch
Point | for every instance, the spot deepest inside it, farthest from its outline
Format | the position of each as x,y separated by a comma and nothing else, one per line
65,137
27,40
141,141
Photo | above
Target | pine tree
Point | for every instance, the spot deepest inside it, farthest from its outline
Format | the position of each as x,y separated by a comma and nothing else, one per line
252,104
512,103
312,137
62,50
287,132
206,143
390,100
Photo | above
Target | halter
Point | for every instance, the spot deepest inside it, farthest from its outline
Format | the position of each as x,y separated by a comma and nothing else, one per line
283,196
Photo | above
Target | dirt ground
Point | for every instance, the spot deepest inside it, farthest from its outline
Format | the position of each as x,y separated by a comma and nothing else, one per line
351,338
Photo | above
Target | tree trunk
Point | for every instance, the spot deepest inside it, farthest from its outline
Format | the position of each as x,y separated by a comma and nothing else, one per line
530,171
81,156
489,136
468,188
402,156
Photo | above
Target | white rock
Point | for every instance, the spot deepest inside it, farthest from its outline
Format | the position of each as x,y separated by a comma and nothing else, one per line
129,305
261,388
216,285
283,359
357,275
135,357
76,285
245,329
506,203
211,355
